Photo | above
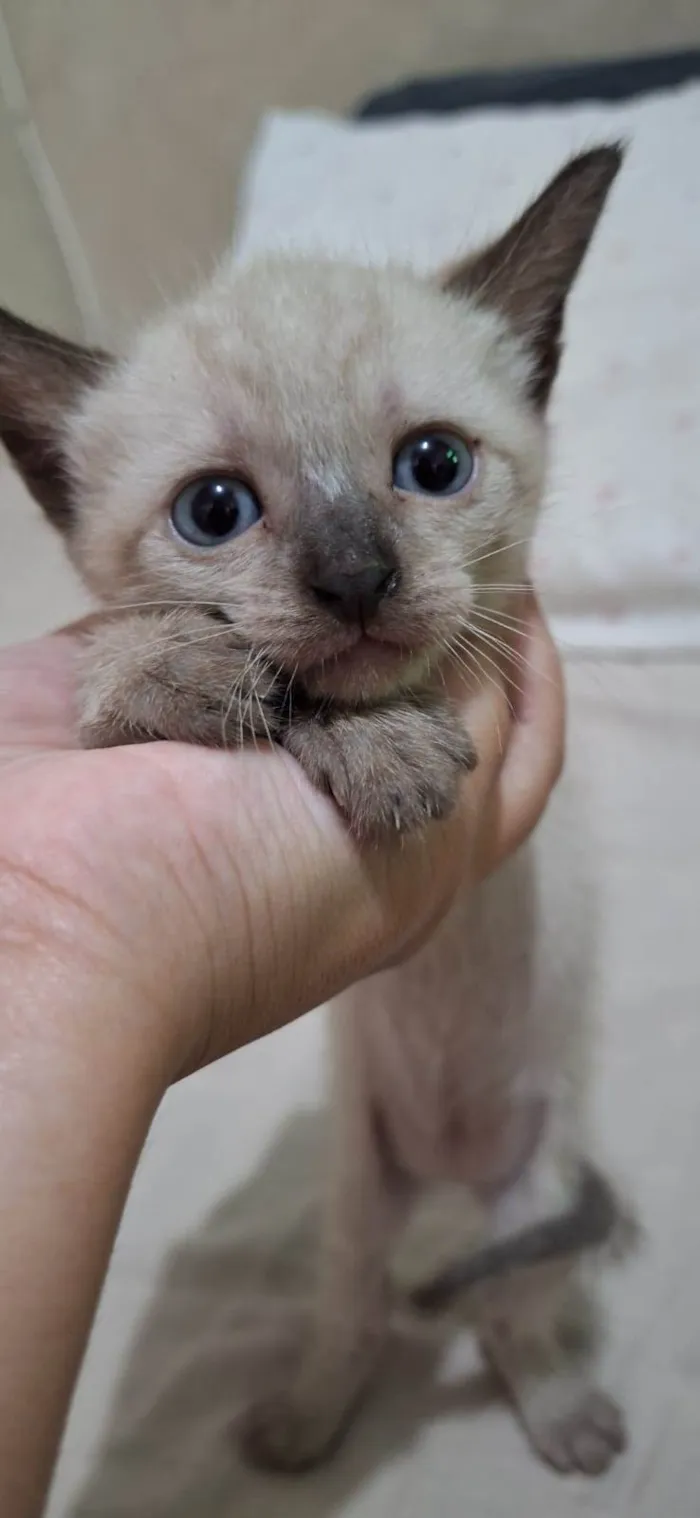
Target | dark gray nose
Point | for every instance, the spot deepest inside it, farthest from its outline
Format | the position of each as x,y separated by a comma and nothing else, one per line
356,597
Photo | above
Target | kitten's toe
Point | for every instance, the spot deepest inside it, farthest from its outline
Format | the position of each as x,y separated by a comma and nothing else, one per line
410,809
429,789
280,1434
404,804
390,770
584,1438
420,784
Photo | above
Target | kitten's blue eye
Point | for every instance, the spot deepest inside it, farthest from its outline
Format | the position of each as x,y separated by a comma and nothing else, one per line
213,509
437,463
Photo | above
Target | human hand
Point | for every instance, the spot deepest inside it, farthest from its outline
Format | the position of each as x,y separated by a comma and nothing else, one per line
220,893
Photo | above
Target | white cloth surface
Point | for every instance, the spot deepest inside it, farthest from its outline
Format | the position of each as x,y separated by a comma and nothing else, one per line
216,1245
618,552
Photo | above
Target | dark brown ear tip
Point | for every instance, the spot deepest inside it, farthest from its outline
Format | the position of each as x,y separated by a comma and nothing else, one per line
9,320
603,161
23,337
42,377
611,153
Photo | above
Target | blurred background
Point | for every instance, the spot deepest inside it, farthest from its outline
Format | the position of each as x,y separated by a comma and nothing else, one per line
125,124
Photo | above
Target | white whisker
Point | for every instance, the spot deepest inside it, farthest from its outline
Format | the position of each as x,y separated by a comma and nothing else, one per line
494,552
158,604
287,698
162,645
252,696
513,655
261,709
515,586
225,714
505,674
511,623
475,665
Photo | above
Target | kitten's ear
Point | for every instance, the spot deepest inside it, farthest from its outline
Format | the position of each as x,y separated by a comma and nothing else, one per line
41,380
527,273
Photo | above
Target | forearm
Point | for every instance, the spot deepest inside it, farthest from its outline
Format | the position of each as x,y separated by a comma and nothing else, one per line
85,1058
81,1075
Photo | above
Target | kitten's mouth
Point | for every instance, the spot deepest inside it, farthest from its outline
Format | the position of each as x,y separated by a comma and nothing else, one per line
370,668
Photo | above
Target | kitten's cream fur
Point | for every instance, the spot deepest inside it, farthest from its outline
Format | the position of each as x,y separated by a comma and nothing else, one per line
468,1063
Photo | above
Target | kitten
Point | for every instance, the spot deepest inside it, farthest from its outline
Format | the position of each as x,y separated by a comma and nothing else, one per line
298,495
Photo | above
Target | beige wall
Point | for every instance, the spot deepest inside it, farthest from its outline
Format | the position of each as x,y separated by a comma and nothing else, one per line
125,122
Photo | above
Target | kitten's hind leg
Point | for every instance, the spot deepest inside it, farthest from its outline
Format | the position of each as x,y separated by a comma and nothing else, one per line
537,1324
297,1427
534,1316
538,1333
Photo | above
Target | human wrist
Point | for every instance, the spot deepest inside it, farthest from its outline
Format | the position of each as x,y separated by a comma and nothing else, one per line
184,989
63,992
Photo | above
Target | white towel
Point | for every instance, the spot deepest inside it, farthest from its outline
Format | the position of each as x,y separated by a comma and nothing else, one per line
618,551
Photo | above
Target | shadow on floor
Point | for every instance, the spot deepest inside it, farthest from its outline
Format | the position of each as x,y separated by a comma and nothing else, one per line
228,1311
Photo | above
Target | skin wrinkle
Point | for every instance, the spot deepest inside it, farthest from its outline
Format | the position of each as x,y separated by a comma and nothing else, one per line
17,871
255,907
185,884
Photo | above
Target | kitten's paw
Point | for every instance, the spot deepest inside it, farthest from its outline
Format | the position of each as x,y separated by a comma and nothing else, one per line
585,1437
175,677
105,723
389,770
281,1434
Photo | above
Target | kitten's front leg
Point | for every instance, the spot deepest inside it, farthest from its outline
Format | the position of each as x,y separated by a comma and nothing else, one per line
390,768
175,676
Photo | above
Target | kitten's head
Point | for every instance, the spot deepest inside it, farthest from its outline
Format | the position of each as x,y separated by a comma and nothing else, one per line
343,463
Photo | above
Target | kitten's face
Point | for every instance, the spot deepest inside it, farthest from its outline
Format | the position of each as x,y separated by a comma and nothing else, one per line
311,384
342,464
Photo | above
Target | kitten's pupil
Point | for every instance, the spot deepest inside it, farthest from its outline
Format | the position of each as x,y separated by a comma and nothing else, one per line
438,463
215,509
435,464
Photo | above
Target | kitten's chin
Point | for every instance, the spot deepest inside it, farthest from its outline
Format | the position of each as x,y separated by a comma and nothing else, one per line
368,671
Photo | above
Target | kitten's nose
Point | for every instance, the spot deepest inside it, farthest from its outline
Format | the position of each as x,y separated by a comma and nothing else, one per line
356,597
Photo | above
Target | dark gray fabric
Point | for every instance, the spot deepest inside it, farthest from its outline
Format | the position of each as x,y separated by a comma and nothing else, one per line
588,1223
613,79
